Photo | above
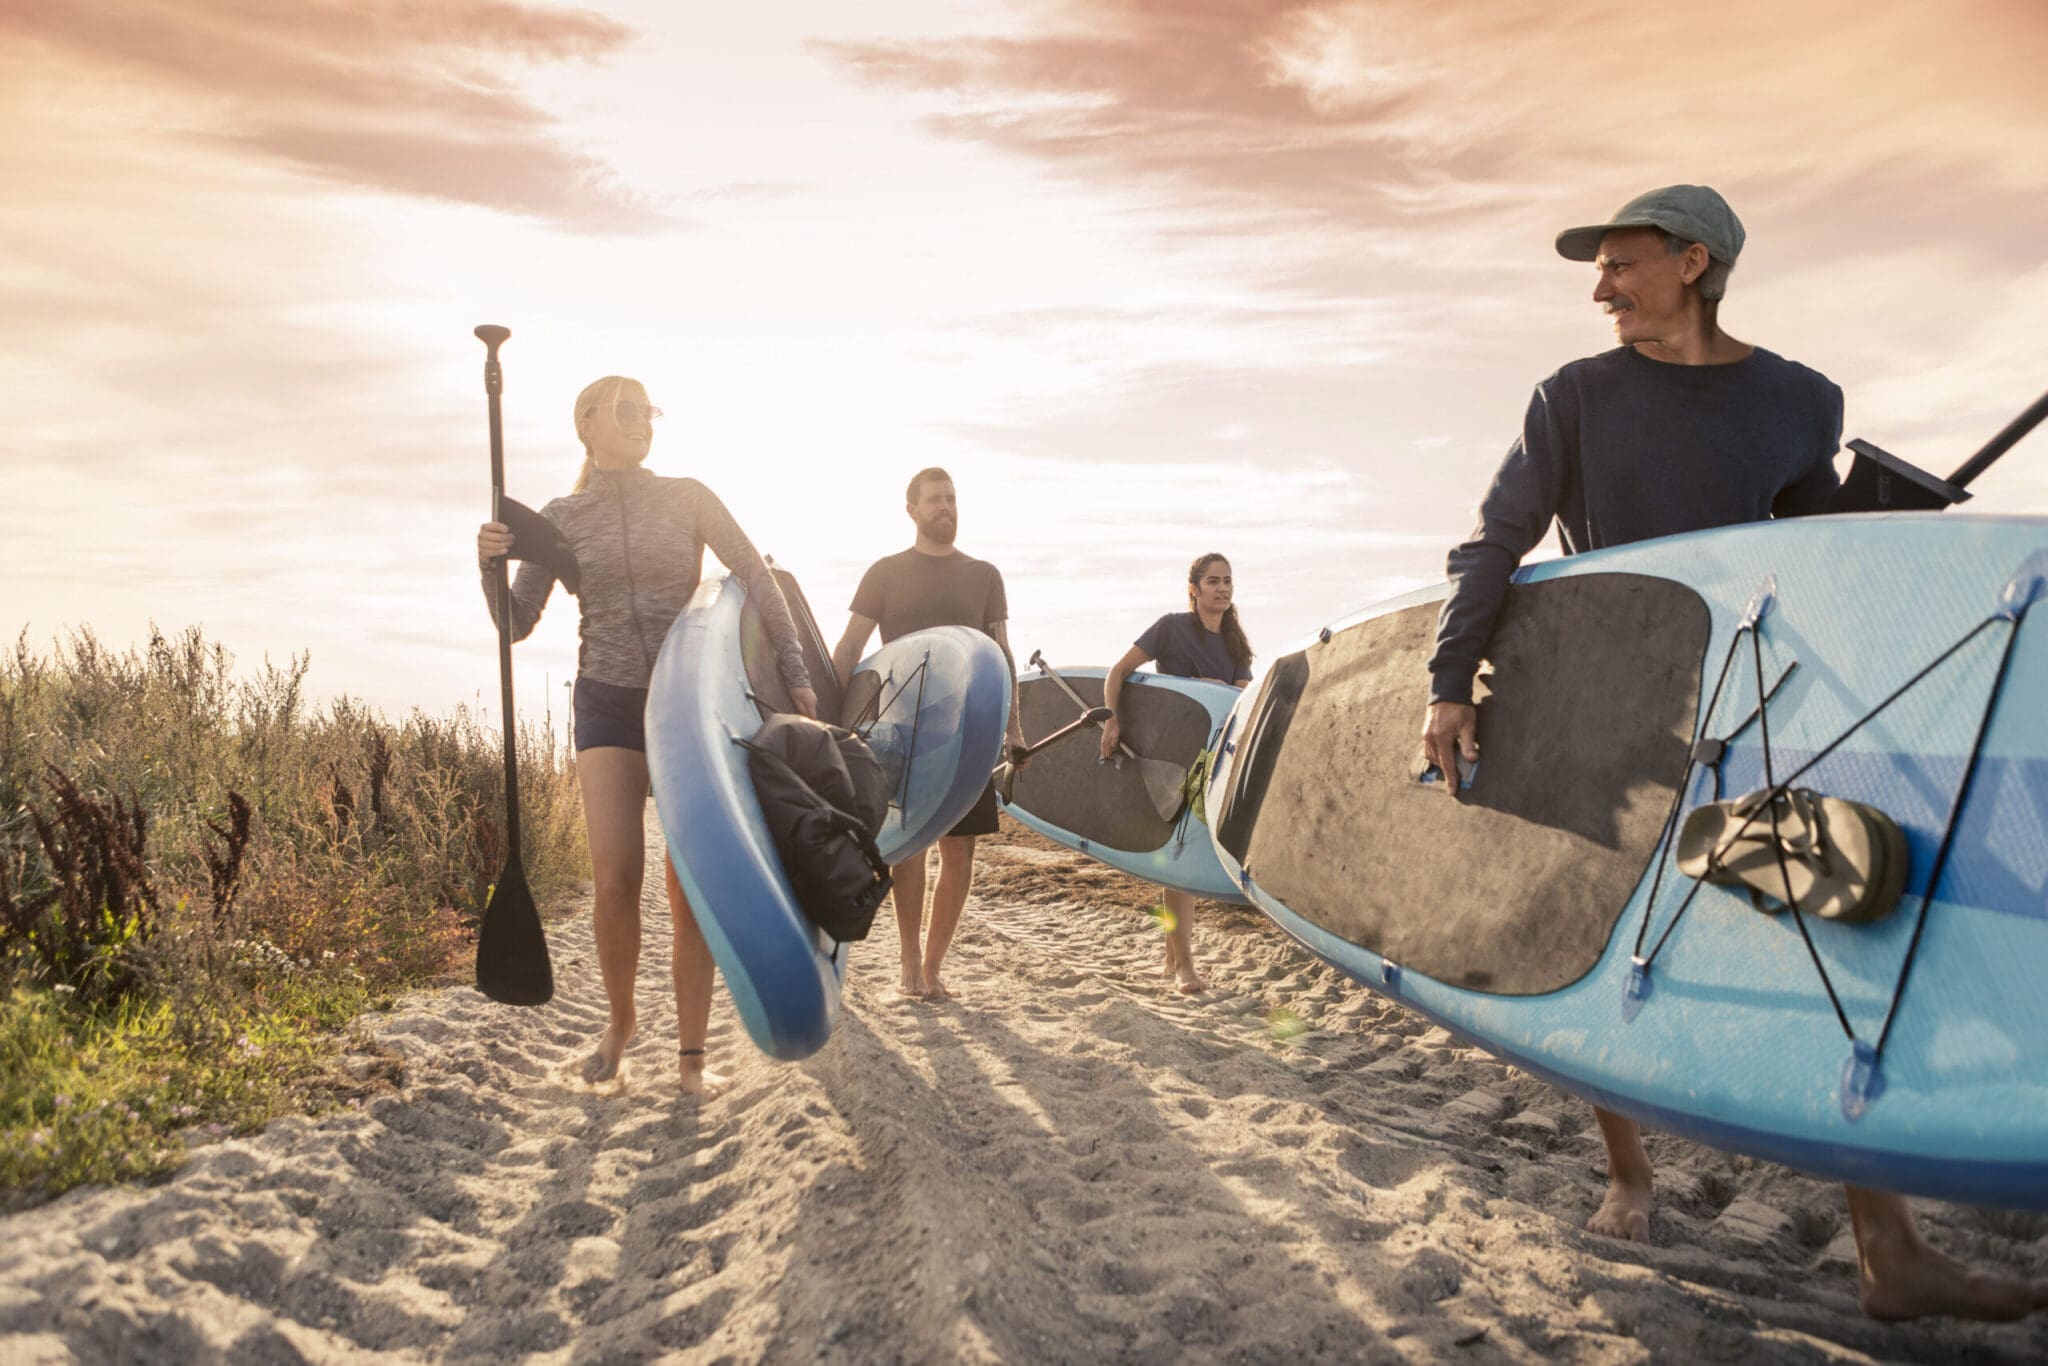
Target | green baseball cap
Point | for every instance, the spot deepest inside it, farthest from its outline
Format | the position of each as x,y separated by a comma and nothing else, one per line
1696,213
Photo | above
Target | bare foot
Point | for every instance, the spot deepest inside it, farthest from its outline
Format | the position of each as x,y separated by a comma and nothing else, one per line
912,987
1181,963
935,990
1904,1278
603,1065
1937,1283
693,1078
1625,1213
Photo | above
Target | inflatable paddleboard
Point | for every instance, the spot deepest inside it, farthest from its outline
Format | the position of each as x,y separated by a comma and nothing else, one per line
1104,811
1541,915
933,705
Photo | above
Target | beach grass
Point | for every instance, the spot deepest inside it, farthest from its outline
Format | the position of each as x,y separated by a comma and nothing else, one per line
203,879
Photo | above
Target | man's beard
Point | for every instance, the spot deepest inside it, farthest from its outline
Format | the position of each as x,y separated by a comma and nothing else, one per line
940,529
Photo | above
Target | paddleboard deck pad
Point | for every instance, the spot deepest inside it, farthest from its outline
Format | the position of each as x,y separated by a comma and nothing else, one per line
1103,810
713,684
1541,914
1568,825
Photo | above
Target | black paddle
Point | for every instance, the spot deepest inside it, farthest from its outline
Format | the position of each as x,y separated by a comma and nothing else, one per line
511,950
1005,774
1881,482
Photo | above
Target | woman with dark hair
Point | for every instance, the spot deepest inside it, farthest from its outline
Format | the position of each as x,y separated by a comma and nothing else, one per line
1206,641
639,540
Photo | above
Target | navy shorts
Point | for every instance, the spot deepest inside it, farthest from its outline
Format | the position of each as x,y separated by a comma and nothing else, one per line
607,714
982,819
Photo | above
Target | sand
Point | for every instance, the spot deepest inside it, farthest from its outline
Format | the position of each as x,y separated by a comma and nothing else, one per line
1070,1163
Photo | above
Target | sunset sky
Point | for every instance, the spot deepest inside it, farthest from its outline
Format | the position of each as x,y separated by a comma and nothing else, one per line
1151,277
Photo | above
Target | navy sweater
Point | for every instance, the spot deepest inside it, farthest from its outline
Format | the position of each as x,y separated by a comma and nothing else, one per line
1618,448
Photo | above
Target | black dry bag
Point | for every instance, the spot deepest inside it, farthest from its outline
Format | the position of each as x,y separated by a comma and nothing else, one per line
824,797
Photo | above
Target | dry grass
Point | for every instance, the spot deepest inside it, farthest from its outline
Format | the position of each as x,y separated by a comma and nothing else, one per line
192,860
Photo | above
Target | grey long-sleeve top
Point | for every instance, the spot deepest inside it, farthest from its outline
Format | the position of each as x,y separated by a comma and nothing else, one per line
1619,448
639,540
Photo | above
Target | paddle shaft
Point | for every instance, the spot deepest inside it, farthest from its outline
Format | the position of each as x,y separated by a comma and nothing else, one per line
1005,773
2000,444
1093,717
1038,662
501,588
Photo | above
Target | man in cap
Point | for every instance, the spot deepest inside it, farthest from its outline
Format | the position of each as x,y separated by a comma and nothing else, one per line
1679,428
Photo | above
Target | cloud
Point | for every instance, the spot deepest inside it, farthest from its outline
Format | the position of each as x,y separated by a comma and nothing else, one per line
1385,116
536,178
402,98
1412,160
754,190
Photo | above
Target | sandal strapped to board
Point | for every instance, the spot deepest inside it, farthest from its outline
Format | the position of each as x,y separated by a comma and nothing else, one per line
1834,858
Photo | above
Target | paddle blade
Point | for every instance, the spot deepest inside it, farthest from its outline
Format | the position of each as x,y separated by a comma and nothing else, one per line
534,537
511,950
1166,784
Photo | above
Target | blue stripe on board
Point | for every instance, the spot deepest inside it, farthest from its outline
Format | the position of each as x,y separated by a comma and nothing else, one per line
2000,859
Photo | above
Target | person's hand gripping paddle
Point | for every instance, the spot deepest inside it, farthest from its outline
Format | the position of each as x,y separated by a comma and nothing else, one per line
511,950
1165,783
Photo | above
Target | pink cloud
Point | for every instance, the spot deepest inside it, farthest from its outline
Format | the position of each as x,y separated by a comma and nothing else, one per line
1388,115
410,99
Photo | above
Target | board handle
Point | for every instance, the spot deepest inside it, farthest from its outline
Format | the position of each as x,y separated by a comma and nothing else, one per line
1430,774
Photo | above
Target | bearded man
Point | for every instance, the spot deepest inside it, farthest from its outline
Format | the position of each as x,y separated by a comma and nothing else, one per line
932,584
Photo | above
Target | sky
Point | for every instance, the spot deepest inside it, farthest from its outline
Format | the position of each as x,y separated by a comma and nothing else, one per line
1150,277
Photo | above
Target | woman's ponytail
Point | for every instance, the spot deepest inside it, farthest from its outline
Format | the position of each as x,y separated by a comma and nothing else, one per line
586,405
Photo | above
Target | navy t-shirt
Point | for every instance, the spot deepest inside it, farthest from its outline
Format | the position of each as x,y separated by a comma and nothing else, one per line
1180,645
1619,448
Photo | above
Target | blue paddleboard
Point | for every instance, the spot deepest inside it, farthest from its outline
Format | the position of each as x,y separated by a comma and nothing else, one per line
1541,915
1104,810
933,705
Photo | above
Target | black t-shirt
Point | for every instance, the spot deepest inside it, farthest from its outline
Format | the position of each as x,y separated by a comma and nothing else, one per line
910,591
1179,644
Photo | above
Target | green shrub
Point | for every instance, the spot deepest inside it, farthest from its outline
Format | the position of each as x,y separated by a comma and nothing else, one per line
80,928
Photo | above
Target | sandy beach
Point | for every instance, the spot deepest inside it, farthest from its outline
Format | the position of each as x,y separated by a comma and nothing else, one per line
1069,1163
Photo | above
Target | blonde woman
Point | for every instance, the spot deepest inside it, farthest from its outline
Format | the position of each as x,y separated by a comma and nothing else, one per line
639,540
